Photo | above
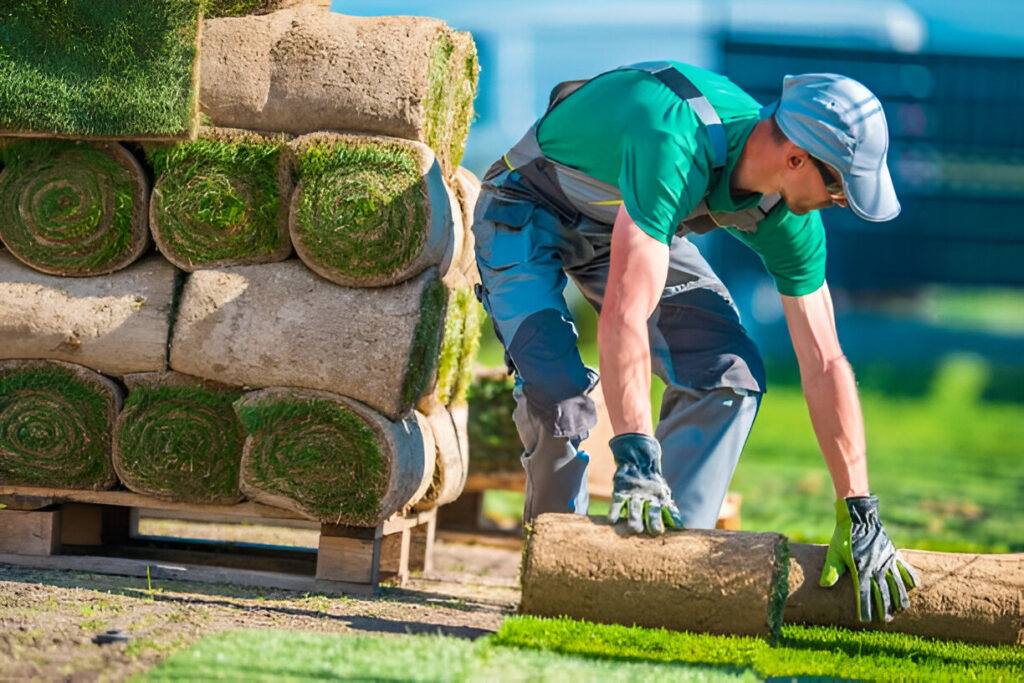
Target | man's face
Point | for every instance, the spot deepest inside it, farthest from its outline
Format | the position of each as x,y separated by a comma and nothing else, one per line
811,184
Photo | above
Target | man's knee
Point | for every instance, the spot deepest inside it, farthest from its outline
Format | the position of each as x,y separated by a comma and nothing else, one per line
556,383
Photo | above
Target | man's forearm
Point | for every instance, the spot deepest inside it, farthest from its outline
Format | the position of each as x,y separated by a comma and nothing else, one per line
625,372
831,393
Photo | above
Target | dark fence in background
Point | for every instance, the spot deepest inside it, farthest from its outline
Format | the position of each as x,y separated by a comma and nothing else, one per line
956,155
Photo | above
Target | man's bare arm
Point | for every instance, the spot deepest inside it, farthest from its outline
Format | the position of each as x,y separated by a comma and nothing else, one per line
636,278
830,390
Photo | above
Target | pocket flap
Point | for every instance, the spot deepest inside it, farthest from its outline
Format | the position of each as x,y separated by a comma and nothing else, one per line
513,213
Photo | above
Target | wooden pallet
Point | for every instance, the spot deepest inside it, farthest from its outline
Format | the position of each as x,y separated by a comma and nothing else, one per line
97,531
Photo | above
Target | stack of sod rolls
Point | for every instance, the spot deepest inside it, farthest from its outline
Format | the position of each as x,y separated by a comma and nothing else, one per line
305,334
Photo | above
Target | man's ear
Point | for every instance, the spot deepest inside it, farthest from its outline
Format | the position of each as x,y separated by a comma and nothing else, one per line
795,158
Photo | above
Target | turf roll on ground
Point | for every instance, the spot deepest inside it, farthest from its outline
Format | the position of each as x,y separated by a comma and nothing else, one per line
721,582
962,596
221,200
178,439
56,421
331,458
379,346
407,77
117,69
370,211
114,324
73,208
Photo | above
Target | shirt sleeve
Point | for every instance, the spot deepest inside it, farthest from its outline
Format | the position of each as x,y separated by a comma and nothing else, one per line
662,178
792,248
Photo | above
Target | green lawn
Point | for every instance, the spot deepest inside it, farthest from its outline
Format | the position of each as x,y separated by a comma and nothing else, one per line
532,649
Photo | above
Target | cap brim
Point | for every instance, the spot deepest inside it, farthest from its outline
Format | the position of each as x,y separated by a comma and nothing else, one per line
872,197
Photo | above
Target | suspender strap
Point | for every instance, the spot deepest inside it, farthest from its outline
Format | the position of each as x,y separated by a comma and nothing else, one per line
687,91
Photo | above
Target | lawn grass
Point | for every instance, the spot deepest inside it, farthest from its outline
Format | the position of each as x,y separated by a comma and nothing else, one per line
292,656
803,652
107,68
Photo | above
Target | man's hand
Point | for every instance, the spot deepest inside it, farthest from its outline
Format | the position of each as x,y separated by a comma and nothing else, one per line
639,488
860,544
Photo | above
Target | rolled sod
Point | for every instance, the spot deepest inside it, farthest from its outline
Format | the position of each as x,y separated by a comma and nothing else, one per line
56,422
115,69
467,190
221,200
370,211
115,324
449,474
719,582
300,71
493,440
472,321
330,458
961,596
178,438
73,208
278,324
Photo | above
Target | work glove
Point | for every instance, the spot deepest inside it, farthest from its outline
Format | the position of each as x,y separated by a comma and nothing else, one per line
638,488
860,544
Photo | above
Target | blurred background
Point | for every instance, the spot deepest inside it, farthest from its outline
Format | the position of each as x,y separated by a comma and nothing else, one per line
930,306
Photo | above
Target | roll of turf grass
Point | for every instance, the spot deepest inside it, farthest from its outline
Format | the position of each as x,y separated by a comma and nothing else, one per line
179,439
331,458
221,200
370,211
72,208
56,422
243,8
472,320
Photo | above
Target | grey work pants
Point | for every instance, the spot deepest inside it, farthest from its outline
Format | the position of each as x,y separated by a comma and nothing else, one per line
713,371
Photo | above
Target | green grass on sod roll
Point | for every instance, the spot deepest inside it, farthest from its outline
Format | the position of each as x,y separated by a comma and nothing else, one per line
109,68
217,200
818,652
470,347
65,207
56,423
362,208
237,8
315,452
451,344
451,87
426,342
181,443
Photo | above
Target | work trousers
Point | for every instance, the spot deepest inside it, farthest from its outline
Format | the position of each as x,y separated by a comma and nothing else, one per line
712,369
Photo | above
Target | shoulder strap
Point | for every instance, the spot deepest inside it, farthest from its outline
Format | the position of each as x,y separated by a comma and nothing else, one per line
682,86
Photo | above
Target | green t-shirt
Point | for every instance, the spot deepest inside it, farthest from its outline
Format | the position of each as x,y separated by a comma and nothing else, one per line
628,129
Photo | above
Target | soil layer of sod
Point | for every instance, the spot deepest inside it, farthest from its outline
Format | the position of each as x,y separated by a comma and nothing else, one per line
116,70
70,208
56,422
180,443
221,200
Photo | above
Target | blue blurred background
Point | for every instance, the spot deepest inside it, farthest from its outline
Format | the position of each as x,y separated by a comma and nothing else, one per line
930,306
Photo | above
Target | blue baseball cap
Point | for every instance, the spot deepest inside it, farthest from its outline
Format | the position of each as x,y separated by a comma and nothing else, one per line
841,122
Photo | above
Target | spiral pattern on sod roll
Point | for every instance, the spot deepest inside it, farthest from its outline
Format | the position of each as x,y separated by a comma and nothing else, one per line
217,201
359,212
70,208
316,453
180,443
56,422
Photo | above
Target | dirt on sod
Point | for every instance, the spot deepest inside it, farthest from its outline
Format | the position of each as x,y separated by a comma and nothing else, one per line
48,618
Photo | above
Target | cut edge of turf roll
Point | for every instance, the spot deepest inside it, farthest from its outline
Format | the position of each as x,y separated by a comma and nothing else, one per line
72,208
56,424
331,458
222,199
369,211
178,439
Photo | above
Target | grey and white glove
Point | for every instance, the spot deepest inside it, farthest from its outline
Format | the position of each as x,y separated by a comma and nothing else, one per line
639,491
